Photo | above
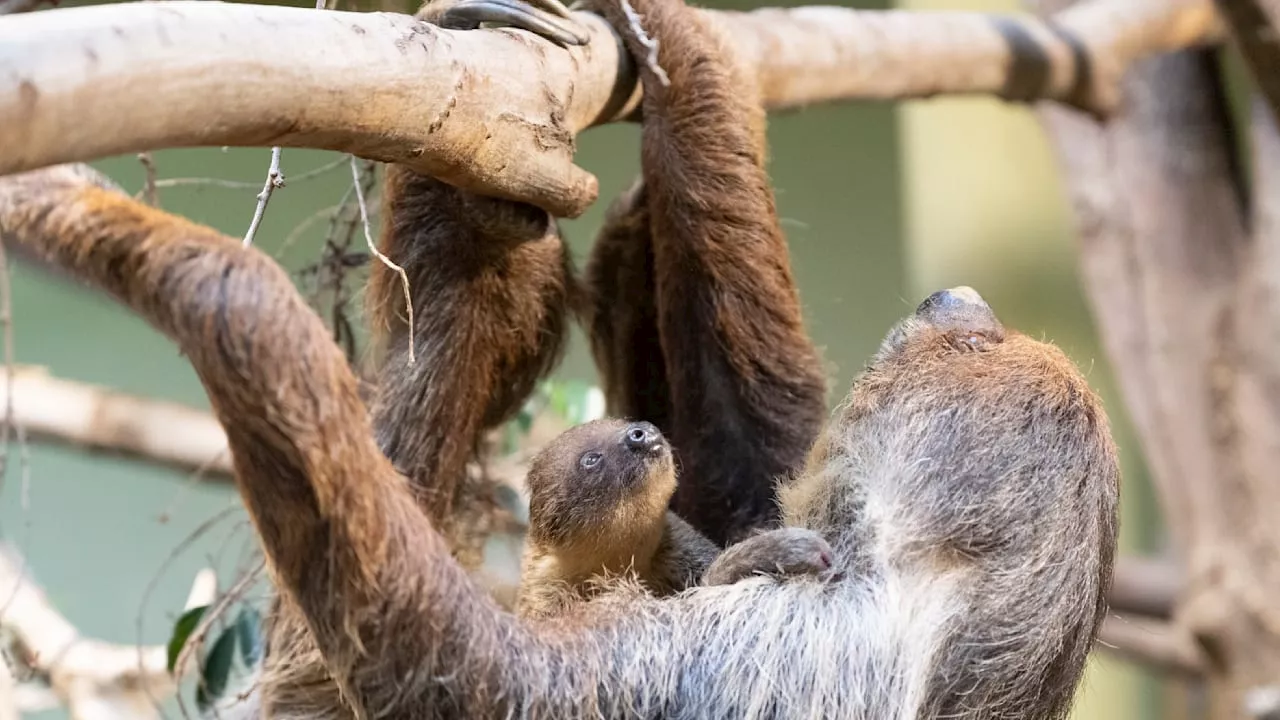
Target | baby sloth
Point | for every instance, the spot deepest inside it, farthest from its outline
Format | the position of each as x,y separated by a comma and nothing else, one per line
598,497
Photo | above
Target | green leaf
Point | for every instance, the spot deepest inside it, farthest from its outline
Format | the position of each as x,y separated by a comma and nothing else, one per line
249,629
524,418
182,630
216,670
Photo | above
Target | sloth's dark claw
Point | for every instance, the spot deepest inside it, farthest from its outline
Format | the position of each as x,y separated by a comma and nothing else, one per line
548,18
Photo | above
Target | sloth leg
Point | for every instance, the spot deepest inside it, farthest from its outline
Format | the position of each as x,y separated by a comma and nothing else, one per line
747,391
621,314
491,286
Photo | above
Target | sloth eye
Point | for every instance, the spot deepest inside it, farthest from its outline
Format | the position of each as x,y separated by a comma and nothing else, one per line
970,341
590,460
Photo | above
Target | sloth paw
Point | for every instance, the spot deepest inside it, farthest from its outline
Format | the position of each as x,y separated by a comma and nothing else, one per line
782,552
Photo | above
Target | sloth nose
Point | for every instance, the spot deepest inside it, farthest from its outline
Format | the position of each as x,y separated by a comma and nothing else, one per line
958,307
956,298
642,436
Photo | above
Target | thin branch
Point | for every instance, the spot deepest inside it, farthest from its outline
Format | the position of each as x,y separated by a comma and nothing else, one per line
275,179
149,187
373,248
188,73
1153,643
243,185
1145,586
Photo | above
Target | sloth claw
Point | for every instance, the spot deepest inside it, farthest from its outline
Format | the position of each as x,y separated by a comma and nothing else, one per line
547,18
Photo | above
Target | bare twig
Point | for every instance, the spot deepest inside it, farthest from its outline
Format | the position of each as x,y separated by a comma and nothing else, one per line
149,187
243,185
1145,586
275,179
1162,645
289,240
373,248
187,73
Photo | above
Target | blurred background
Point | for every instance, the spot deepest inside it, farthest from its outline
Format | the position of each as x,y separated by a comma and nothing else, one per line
882,205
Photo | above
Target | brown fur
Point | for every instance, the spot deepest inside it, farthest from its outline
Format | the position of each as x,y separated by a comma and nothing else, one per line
968,484
694,311
622,313
590,523
491,283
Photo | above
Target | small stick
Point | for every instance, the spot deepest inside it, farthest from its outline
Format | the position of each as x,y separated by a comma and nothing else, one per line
275,179
368,239
149,189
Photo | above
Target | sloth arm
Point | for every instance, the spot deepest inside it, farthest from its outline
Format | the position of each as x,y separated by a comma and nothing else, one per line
490,282
492,287
346,540
691,272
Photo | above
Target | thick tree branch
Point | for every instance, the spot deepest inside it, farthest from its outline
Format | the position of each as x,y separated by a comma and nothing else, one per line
1177,289
1161,236
169,434
88,82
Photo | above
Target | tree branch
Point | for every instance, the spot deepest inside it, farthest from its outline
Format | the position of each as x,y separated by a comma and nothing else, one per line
94,680
459,105
1145,586
1161,233
1170,271
103,420
1153,643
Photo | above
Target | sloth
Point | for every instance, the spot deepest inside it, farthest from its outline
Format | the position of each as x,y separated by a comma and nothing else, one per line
598,497
967,483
